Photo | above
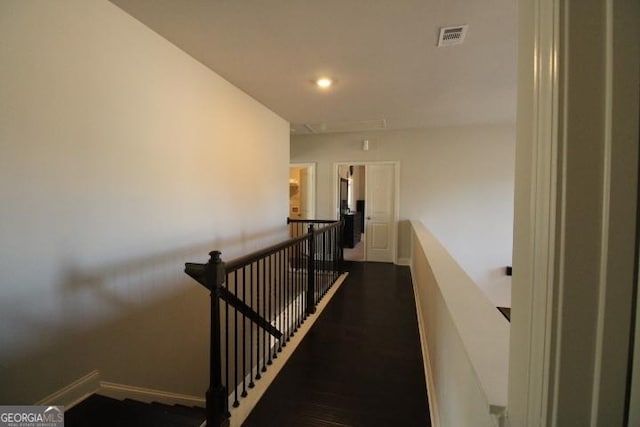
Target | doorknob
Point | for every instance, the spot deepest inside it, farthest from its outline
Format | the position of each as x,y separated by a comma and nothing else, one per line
368,218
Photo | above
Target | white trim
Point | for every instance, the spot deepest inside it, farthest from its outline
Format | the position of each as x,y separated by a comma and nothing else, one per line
396,213
604,232
434,411
74,393
240,414
552,121
404,261
148,395
535,211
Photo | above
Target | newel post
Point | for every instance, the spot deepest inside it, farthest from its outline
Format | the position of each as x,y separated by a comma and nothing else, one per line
217,401
311,269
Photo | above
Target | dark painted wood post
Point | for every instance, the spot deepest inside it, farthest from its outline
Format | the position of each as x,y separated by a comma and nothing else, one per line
311,273
217,402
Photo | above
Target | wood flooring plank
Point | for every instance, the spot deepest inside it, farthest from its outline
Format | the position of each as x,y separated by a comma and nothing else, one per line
361,363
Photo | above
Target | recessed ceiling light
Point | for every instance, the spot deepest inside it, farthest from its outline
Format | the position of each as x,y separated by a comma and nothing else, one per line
324,82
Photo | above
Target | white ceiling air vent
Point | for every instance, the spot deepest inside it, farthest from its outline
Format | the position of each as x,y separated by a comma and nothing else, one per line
450,36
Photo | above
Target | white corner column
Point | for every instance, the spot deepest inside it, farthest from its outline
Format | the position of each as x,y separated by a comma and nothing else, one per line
575,212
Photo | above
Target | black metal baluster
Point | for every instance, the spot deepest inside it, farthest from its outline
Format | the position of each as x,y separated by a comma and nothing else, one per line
320,267
265,314
323,277
316,282
333,254
336,248
236,402
269,307
280,299
280,295
258,332
319,270
310,306
287,295
324,262
294,287
327,255
226,341
276,291
244,333
251,383
301,282
292,273
282,308
295,276
339,248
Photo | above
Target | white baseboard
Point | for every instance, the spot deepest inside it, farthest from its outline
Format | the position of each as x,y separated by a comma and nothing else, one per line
74,393
431,390
404,261
79,390
148,395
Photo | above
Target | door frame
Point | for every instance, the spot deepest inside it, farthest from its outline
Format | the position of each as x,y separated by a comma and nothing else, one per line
396,199
551,141
314,184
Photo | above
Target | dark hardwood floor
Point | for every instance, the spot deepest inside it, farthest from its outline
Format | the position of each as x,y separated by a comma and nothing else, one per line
361,363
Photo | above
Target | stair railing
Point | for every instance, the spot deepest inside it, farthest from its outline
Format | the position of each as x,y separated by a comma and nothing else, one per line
258,302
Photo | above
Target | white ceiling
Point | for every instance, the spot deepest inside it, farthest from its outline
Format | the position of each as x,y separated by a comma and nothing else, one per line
382,54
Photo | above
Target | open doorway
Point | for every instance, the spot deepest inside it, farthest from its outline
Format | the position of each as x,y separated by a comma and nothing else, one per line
302,198
351,193
376,185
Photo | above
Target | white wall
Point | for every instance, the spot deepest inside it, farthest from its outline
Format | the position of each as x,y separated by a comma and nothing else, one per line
458,181
465,340
122,157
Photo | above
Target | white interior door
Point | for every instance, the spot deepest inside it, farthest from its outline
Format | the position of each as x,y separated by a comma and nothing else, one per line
380,212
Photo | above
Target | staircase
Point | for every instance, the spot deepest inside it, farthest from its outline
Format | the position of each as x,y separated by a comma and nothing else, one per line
102,411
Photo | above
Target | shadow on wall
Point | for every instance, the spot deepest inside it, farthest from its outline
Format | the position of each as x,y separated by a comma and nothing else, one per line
142,322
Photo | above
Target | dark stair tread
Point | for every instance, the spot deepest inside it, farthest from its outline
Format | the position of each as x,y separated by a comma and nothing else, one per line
102,411
155,414
98,411
194,412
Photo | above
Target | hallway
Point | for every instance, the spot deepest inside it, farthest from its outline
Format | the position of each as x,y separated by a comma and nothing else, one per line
361,363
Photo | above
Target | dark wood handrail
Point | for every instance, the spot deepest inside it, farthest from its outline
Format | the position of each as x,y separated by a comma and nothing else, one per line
312,221
245,260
